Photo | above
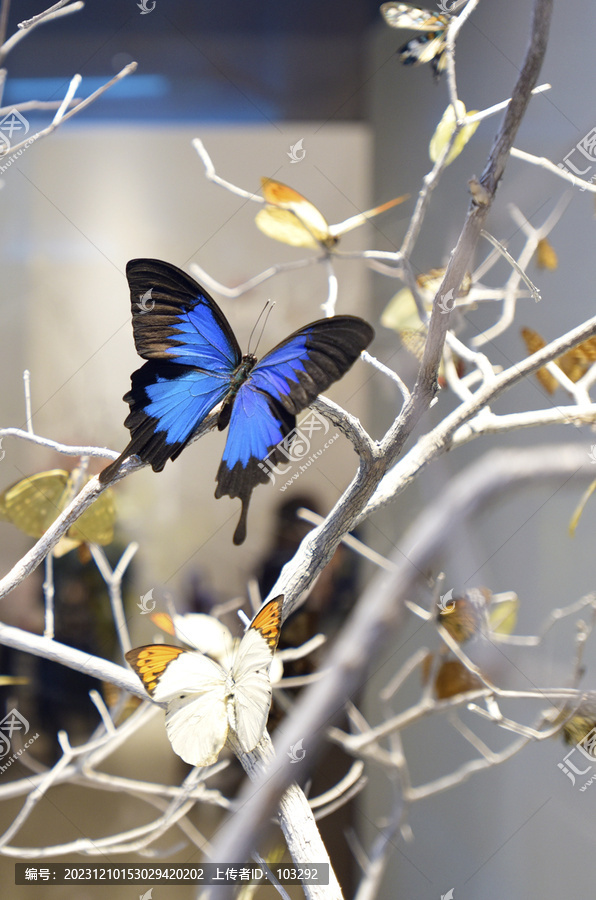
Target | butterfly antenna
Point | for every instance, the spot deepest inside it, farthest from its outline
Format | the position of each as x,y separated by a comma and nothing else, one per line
266,311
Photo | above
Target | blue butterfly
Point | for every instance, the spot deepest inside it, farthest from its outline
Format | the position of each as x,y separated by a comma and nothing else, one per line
195,363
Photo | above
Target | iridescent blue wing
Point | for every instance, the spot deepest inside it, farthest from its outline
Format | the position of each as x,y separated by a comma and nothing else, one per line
191,352
282,384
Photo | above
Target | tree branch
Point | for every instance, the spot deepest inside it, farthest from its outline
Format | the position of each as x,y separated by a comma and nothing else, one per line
380,611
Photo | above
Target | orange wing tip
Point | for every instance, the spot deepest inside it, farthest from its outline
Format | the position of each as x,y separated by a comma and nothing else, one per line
163,621
268,621
277,193
151,661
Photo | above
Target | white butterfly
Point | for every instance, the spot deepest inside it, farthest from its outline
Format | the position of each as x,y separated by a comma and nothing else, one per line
201,632
204,700
209,636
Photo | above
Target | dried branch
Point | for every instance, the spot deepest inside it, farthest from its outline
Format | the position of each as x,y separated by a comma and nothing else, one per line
549,166
72,658
381,611
62,116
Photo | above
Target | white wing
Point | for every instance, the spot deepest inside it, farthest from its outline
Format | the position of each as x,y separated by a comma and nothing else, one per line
248,706
194,688
248,709
254,655
206,634
197,726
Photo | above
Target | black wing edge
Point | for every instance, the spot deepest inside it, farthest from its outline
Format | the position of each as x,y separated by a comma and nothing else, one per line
146,442
154,319
333,346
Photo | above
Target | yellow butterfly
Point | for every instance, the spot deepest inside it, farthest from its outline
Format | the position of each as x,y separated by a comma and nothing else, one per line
401,313
205,701
581,723
445,129
292,219
546,255
33,503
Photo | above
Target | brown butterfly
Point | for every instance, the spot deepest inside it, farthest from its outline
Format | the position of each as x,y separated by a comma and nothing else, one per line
574,363
464,616
452,678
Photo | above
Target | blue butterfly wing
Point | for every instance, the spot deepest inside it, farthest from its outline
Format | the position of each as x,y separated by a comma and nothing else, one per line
282,384
175,319
191,352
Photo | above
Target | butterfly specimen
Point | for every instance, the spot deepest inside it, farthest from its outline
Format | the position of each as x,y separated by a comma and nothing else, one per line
580,726
451,677
444,132
401,314
574,363
195,363
429,45
465,616
199,631
205,701
546,255
292,219
209,636
33,503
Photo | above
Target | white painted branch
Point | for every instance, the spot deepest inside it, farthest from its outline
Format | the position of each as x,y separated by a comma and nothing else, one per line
51,13
439,439
296,819
74,659
495,424
549,166
65,449
380,612
510,293
127,70
232,292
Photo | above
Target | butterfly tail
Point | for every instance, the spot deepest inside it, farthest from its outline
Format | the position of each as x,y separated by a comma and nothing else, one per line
240,532
231,486
245,464
109,472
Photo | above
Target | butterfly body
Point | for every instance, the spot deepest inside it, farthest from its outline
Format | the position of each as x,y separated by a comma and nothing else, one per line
194,363
205,701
